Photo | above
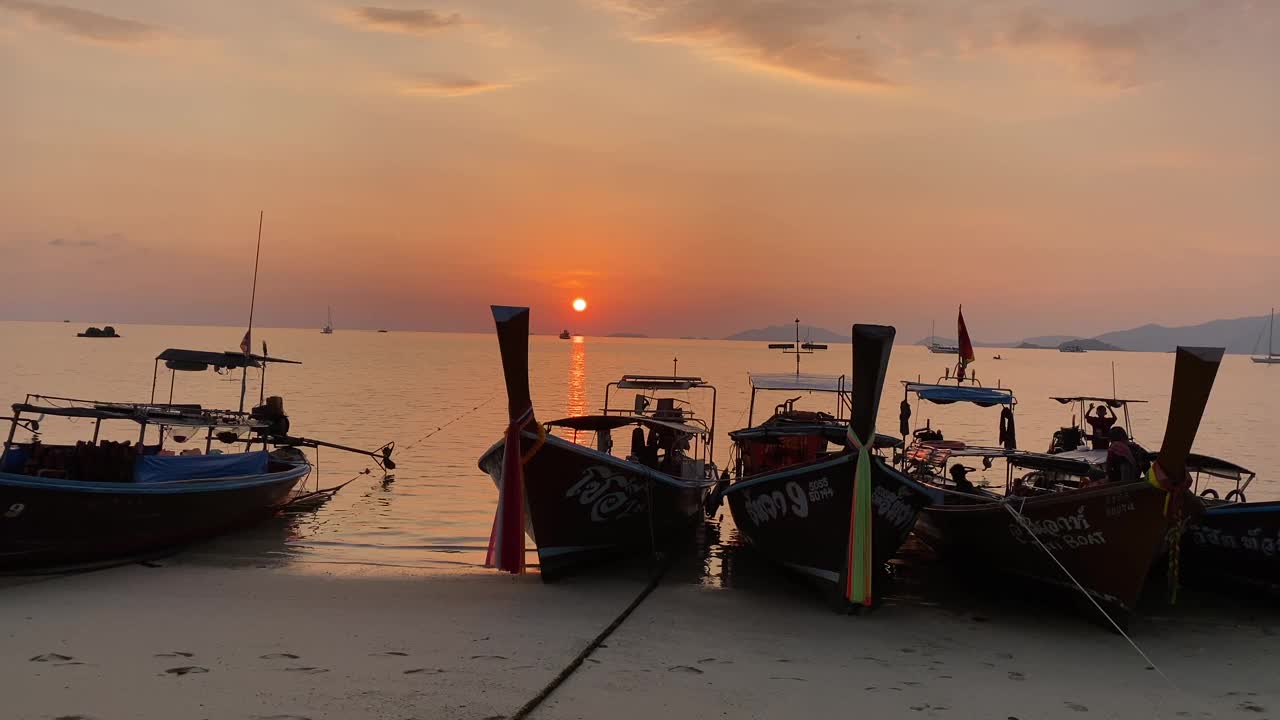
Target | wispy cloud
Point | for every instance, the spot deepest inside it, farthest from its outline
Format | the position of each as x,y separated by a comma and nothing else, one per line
783,36
873,44
409,22
85,24
437,85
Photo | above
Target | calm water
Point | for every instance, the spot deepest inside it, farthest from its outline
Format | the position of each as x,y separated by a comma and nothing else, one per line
365,388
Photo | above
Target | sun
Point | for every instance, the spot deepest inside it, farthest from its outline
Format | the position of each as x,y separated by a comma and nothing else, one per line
579,304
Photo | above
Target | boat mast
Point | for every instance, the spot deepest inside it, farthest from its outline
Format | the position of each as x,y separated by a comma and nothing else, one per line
1271,336
253,296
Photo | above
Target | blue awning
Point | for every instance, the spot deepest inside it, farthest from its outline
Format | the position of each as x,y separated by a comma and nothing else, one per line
946,394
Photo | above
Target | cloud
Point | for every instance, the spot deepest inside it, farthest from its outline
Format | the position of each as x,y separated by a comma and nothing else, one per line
449,86
874,44
108,241
1118,54
410,22
84,24
783,36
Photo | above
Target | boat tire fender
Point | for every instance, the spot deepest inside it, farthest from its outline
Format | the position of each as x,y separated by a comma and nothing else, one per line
1235,496
1209,493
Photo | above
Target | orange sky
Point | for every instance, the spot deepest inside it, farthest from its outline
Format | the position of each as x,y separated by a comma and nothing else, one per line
692,167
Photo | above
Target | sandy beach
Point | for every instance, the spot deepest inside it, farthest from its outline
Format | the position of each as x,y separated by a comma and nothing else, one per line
186,639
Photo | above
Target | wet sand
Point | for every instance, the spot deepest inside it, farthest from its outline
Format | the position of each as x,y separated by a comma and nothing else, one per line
186,638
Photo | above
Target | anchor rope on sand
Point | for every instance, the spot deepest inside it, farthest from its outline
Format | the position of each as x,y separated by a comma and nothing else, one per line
1006,503
568,670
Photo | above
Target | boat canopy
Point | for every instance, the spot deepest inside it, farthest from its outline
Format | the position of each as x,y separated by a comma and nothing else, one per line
1071,463
659,382
1113,402
837,433
169,415
799,381
1217,467
947,394
592,423
199,360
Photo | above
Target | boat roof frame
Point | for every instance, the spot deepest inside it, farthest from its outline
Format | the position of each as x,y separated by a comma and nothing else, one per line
663,384
838,385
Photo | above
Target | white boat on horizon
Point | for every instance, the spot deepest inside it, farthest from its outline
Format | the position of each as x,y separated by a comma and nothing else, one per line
328,326
1272,357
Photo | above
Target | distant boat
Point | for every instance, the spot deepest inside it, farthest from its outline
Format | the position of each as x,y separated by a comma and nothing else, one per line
996,357
328,326
383,331
103,332
1072,348
66,321
565,335
939,348
1272,357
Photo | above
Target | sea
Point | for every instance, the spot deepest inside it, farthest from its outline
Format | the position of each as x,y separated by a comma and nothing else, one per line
440,398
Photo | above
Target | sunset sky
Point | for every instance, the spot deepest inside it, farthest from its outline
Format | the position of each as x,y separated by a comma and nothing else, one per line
691,167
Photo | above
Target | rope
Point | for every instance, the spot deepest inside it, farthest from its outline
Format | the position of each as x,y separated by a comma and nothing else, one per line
426,437
1022,520
527,709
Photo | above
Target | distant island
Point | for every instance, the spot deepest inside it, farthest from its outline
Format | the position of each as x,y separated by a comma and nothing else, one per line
627,335
1237,335
1090,344
783,333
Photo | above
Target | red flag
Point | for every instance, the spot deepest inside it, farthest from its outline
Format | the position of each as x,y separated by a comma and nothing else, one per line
245,343
966,345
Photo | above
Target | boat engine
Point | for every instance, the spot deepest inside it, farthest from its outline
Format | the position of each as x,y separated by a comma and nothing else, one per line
272,412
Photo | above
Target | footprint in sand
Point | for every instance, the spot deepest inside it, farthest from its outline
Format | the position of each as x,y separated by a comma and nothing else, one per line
389,653
51,657
1015,675
684,669
175,653
186,670
280,717
1250,707
714,661
279,656
796,679
307,670
488,657
1076,707
424,671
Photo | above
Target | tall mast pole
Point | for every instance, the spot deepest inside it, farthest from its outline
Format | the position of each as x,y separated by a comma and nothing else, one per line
253,297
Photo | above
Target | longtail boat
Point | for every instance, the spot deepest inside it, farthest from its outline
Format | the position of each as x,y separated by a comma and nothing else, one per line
1235,540
99,499
1099,537
795,500
586,502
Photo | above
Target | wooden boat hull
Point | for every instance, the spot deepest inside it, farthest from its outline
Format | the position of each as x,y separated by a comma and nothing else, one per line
1237,542
1107,537
585,505
799,516
46,522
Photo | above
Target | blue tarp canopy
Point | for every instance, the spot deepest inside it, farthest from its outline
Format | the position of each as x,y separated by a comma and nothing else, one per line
946,394
174,468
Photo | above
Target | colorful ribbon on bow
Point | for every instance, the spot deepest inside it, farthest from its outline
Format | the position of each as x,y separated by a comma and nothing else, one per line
857,588
506,539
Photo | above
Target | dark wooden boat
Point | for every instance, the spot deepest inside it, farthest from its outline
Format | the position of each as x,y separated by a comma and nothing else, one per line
1235,540
586,503
47,521
793,500
99,499
1100,539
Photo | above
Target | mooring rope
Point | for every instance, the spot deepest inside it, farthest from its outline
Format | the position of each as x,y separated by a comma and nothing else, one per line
465,413
527,709
1026,524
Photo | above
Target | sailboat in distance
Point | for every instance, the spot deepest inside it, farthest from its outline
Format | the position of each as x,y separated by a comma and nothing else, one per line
328,326
1272,357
